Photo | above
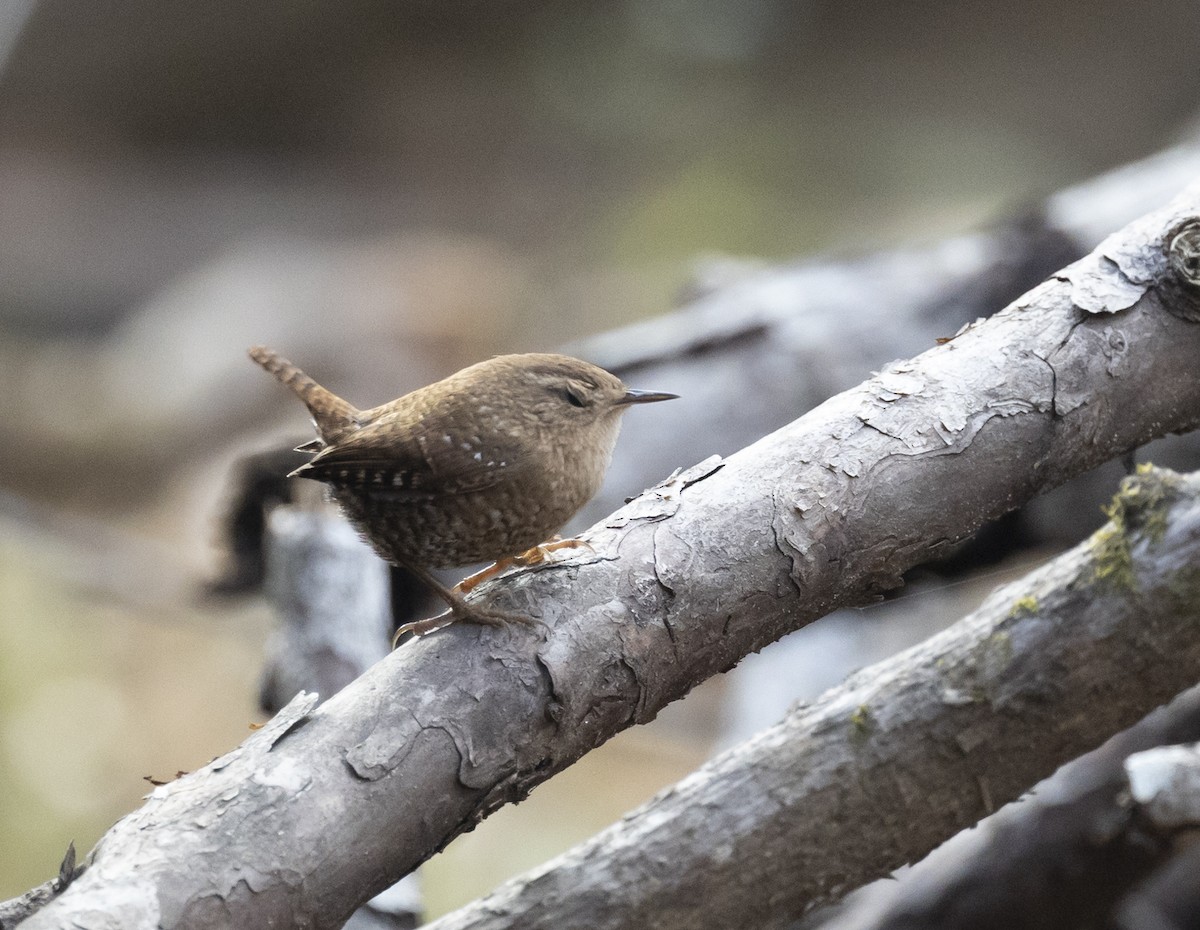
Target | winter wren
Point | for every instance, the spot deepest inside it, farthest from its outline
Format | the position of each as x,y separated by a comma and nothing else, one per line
482,465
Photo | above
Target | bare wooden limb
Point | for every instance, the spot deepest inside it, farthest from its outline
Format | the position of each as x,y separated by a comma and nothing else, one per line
1066,856
1075,852
1164,784
750,357
331,592
327,806
878,771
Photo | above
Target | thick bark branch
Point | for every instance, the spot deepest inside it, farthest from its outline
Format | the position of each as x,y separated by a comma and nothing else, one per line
331,592
1070,854
327,806
880,770
1064,857
749,356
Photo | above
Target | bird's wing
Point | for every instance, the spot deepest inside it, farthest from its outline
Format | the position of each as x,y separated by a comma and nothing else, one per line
410,467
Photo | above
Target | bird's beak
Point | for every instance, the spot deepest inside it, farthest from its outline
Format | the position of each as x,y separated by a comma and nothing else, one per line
633,396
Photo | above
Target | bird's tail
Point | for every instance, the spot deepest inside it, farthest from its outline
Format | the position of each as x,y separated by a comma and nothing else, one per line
332,415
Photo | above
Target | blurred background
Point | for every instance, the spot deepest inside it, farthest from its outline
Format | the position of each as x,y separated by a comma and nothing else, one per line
386,191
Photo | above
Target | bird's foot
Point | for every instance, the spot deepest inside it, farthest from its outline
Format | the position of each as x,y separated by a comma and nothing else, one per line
541,552
422,627
475,579
462,612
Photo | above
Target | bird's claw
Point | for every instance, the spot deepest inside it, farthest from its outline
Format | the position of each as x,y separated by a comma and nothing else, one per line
464,613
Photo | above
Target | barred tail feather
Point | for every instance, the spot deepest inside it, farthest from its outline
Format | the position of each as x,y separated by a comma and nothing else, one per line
332,415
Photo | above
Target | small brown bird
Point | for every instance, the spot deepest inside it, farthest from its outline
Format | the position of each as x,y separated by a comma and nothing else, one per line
480,466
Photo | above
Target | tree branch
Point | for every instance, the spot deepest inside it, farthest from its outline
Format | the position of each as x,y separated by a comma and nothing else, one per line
1073,851
1066,856
748,357
325,807
1168,900
879,771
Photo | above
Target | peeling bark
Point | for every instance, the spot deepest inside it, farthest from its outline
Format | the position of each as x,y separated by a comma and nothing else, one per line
300,828
1077,850
878,771
751,356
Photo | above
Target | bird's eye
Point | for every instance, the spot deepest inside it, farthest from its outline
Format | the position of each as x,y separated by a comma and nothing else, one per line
574,396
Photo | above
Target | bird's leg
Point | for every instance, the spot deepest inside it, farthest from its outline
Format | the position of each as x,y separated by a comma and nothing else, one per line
460,610
532,556
472,581
541,552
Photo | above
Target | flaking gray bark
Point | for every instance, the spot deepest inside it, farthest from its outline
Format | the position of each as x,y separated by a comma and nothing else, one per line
878,771
330,591
751,356
327,806
1075,851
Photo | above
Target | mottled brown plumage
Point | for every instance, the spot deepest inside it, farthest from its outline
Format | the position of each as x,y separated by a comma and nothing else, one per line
482,465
